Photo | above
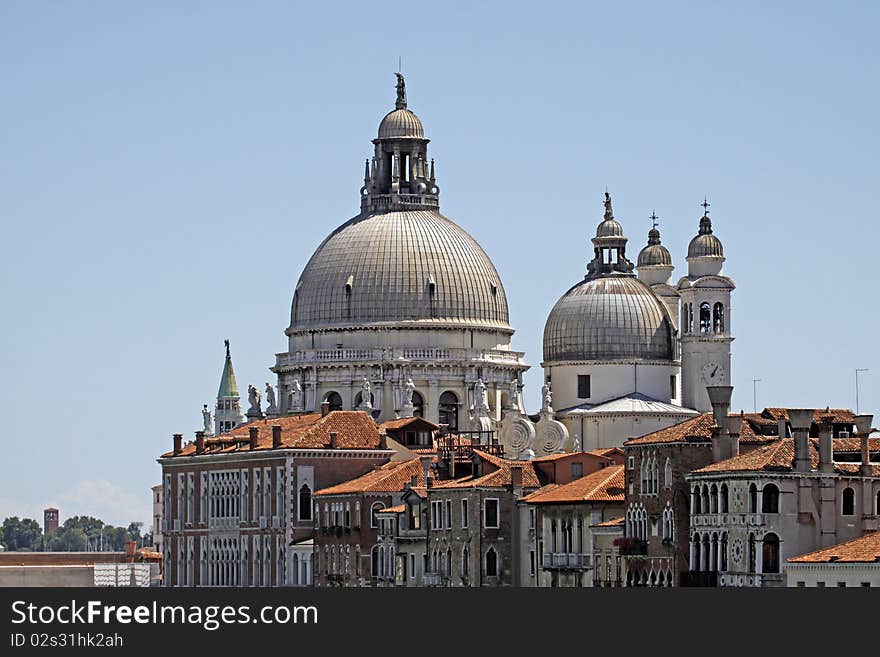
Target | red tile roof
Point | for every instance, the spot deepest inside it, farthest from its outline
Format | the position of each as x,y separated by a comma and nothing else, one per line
497,474
355,429
389,478
614,522
400,423
698,430
865,549
605,485
839,415
400,508
778,457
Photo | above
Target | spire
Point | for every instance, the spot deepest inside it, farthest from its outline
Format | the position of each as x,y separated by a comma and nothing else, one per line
401,92
228,386
705,221
654,233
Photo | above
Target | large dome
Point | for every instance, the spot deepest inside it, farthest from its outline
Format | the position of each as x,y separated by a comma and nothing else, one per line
608,318
411,267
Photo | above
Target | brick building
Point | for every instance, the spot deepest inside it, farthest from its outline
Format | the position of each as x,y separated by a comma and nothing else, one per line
50,520
347,550
234,503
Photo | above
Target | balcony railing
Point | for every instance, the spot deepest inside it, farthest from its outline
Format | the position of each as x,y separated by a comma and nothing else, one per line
565,560
433,579
298,358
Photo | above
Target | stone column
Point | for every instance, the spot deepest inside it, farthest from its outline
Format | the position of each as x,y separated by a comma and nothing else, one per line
692,564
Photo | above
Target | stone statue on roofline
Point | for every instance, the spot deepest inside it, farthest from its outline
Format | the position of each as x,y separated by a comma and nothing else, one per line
270,400
254,399
295,397
206,418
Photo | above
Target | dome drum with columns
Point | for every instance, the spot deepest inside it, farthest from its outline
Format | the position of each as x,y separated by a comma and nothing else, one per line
398,294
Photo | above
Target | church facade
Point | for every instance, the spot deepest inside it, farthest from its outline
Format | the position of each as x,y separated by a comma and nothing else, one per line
400,312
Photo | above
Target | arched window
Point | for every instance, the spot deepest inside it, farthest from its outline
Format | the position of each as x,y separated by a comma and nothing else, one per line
449,562
684,318
724,551
375,561
698,561
374,521
718,318
667,478
724,504
335,401
357,559
448,410
704,502
713,499
849,502
491,563
705,318
295,569
695,496
770,554
305,502
752,553
753,498
770,499
418,403
465,561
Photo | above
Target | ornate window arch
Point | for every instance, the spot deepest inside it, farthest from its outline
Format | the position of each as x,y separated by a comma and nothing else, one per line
848,502
718,317
491,562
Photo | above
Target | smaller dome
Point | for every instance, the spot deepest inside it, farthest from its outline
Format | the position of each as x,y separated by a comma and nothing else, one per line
705,245
653,255
401,123
609,228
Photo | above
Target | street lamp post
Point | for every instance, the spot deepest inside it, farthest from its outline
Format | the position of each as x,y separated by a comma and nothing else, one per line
858,370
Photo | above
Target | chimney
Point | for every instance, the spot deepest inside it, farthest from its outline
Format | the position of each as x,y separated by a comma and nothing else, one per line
178,440
516,479
383,440
276,436
253,432
325,408
826,443
719,396
200,442
863,428
334,440
734,429
801,420
426,468
782,427
130,550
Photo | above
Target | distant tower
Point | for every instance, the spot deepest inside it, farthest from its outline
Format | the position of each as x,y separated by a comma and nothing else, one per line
705,318
228,412
655,270
50,520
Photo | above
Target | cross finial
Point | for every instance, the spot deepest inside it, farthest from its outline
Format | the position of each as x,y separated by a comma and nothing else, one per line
226,342
705,205
654,219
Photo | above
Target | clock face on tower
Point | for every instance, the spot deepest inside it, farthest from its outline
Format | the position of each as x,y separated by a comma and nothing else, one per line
712,373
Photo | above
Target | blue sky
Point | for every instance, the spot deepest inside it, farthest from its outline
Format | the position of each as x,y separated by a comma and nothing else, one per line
166,169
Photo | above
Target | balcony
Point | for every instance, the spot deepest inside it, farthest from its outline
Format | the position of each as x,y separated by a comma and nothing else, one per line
433,579
297,359
565,561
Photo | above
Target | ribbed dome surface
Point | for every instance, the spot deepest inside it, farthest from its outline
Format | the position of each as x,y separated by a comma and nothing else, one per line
609,228
608,318
401,123
705,245
654,254
380,269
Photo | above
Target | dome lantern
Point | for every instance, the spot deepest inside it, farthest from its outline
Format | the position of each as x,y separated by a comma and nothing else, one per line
705,252
399,176
609,247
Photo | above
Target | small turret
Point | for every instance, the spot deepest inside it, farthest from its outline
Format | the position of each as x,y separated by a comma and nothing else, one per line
228,409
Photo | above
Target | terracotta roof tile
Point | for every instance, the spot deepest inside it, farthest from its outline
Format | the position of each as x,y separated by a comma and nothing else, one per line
840,415
614,522
499,477
406,421
778,457
400,508
698,430
865,549
355,429
605,485
389,478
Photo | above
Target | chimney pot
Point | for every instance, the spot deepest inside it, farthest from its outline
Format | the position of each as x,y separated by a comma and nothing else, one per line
276,436
178,441
801,420
383,440
253,432
516,478
719,397
334,439
325,408
200,442
826,444
863,423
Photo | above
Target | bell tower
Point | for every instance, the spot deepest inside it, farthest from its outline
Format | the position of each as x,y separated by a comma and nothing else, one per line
228,410
705,318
